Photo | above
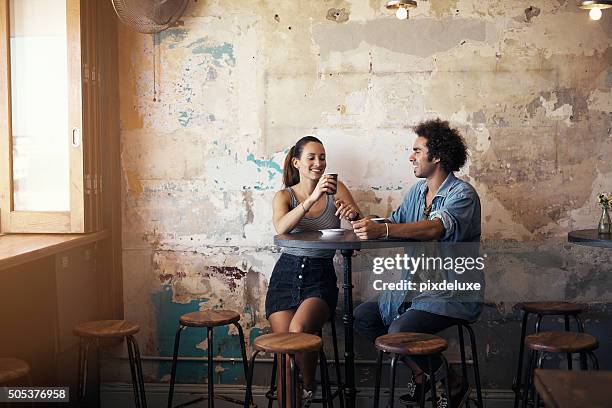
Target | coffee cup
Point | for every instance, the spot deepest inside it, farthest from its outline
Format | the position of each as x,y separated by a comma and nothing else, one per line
335,177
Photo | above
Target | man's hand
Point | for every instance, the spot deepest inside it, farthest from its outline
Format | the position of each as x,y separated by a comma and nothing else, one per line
368,229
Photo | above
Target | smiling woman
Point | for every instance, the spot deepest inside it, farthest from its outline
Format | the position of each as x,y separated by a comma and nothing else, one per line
302,294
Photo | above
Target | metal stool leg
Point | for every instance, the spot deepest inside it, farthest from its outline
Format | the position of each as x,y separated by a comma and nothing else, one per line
377,379
528,374
283,395
462,350
135,381
143,398
325,386
476,367
245,361
272,390
594,360
249,394
432,377
519,371
538,323
536,396
394,359
579,323
583,361
98,369
83,354
568,355
339,382
177,340
211,369
447,382
422,402
294,387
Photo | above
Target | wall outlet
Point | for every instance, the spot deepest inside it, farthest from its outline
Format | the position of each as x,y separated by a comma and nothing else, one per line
64,261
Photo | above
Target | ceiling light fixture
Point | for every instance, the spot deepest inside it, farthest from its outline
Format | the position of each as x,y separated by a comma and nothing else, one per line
401,7
595,7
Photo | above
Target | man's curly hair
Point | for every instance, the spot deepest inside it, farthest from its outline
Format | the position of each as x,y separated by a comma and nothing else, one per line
444,143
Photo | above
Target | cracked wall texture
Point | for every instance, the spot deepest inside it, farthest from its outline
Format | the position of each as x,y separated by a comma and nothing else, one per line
209,109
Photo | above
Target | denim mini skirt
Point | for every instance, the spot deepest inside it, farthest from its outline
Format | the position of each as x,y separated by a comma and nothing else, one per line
297,278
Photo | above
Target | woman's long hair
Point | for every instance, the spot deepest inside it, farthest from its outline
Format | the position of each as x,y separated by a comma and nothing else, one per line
291,175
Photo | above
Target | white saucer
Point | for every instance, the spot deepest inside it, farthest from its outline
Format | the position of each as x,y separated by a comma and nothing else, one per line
332,232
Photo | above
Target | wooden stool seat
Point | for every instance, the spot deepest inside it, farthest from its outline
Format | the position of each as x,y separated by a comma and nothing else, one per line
287,343
12,369
106,328
209,318
561,342
551,308
411,343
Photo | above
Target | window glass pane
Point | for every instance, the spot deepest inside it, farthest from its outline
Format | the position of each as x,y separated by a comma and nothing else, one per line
39,102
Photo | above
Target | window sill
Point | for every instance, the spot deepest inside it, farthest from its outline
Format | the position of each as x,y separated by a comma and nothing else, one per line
17,249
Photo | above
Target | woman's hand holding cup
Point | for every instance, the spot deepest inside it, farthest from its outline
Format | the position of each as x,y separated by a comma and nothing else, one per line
326,185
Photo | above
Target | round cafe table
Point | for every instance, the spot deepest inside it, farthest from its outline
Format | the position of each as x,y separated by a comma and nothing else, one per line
590,237
346,243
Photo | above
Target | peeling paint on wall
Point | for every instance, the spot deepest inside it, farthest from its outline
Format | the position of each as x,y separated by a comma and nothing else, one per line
337,15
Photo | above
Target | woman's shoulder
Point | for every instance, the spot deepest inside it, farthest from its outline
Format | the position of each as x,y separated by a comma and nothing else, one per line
283,195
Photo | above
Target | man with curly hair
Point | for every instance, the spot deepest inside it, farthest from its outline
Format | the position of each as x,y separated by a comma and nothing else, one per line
439,208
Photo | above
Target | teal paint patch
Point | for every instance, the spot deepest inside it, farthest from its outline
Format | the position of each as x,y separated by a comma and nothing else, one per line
220,53
167,315
260,187
270,164
185,117
175,35
255,332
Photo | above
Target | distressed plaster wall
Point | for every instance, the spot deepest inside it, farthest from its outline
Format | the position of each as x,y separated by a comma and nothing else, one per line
209,108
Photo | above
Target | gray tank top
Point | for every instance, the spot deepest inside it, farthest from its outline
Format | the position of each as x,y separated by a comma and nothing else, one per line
326,220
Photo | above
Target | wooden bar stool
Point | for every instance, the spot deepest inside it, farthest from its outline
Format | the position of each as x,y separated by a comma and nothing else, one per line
12,369
541,309
406,344
210,319
91,333
285,344
327,394
556,342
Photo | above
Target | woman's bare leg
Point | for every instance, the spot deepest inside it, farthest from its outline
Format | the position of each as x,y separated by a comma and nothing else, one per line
279,322
310,317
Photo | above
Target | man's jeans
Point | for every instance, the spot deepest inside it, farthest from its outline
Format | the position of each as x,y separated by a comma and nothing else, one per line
369,324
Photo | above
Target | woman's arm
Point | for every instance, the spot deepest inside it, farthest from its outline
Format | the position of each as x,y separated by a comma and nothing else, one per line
285,220
347,208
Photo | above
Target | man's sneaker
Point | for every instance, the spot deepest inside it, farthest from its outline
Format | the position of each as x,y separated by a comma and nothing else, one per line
442,401
415,390
307,398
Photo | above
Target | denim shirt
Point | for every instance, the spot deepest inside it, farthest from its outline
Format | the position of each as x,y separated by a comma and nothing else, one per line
457,205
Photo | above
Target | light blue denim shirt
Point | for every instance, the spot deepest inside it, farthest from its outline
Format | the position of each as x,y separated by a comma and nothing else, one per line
457,205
